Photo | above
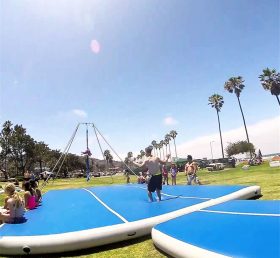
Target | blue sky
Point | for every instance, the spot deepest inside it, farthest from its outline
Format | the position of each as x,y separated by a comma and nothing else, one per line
151,69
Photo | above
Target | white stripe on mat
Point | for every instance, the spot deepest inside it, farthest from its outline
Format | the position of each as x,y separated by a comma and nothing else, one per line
243,213
106,206
177,196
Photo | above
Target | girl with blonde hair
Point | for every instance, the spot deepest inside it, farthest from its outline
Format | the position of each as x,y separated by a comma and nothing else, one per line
14,206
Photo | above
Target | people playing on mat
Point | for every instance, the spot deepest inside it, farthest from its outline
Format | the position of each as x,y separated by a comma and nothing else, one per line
164,175
141,179
29,196
13,211
153,165
191,170
173,172
38,193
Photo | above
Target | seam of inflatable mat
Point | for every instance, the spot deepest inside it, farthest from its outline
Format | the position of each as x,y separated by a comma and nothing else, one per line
243,213
106,206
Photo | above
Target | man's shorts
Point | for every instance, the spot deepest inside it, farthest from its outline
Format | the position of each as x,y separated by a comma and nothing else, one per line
155,183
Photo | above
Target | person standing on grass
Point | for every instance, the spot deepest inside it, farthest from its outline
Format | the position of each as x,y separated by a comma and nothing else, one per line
191,170
153,165
164,174
173,172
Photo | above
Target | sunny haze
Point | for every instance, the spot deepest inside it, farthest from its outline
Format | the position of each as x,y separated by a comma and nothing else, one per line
139,69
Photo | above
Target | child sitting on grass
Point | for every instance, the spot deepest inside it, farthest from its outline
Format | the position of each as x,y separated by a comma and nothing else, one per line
14,206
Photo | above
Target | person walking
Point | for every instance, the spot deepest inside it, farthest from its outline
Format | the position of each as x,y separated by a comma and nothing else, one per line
191,170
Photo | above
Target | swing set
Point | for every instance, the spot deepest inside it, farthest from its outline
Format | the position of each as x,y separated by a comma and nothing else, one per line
87,153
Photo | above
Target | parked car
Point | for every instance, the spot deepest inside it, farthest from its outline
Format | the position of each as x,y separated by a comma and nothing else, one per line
215,166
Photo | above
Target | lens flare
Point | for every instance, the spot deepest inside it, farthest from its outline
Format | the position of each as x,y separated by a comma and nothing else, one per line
95,46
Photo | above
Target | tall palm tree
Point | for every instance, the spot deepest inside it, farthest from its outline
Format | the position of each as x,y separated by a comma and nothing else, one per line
270,80
129,154
168,139
107,156
162,145
142,153
173,135
235,84
159,148
154,145
166,143
216,101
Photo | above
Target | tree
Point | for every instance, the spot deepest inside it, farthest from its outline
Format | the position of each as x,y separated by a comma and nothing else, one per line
167,140
235,84
5,143
259,154
154,143
22,148
130,154
162,143
270,80
111,160
107,156
216,101
159,147
239,147
173,135
142,153
40,151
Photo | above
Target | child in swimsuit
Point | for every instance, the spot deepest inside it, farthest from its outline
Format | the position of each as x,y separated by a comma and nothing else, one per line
13,211
173,172
29,196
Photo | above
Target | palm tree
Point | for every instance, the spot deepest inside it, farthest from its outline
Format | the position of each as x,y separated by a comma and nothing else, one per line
154,145
173,135
167,140
235,84
111,160
216,101
270,80
166,143
107,156
159,148
142,153
129,154
162,144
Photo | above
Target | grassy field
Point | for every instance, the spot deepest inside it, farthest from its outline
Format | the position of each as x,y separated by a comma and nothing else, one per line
264,176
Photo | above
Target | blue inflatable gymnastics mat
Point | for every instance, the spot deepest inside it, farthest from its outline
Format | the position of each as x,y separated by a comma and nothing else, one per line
231,229
76,219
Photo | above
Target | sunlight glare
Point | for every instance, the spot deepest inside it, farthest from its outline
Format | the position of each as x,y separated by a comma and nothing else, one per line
95,46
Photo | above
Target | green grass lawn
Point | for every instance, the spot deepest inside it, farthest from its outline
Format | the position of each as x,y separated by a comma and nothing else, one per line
264,176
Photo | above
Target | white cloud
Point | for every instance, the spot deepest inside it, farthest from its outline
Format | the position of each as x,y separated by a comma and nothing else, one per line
265,135
79,113
169,120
